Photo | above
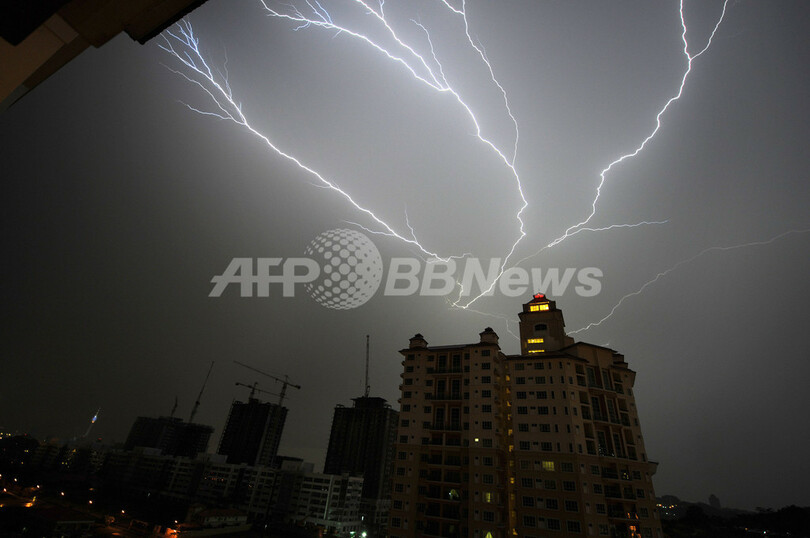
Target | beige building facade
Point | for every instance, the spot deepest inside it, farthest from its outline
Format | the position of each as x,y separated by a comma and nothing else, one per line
542,444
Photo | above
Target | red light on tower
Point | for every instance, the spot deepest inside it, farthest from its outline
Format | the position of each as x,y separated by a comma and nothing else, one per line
538,295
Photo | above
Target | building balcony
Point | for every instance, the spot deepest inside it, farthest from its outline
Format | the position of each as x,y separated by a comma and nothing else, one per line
446,516
446,426
621,514
451,370
610,474
443,396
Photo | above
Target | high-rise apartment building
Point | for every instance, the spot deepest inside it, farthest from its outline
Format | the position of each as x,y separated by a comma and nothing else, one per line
253,432
542,444
361,443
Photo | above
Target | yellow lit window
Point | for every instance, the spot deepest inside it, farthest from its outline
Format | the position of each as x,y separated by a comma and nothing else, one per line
487,497
537,351
538,307
535,341
548,465
511,479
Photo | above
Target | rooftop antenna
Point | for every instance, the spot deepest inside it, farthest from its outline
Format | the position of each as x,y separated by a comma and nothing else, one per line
197,403
368,388
174,408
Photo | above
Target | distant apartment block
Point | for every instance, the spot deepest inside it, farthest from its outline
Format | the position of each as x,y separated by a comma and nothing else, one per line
292,493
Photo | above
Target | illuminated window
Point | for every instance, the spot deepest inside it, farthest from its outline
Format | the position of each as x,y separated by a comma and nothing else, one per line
487,497
548,465
535,340
538,307
537,351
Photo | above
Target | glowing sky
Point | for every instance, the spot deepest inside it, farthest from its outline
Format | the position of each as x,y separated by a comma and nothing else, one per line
121,204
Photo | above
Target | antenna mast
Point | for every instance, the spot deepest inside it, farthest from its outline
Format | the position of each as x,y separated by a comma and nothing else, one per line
368,388
197,403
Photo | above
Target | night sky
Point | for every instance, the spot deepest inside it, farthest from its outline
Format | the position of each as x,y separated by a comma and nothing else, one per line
120,204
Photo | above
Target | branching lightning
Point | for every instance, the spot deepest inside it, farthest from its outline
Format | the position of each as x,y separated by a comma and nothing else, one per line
603,174
184,46
427,70
602,229
682,263
431,74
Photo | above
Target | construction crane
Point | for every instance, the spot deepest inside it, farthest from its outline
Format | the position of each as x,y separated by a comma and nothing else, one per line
284,382
254,389
197,403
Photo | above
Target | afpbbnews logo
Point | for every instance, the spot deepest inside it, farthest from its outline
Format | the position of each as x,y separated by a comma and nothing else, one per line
342,269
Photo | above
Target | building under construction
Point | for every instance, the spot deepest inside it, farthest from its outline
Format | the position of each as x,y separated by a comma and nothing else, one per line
361,443
253,432
170,435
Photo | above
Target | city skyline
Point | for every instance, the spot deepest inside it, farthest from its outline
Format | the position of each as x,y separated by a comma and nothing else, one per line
123,204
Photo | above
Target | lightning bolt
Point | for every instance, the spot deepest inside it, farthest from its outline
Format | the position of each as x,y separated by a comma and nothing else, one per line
603,174
184,47
502,317
682,263
602,229
580,226
429,73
